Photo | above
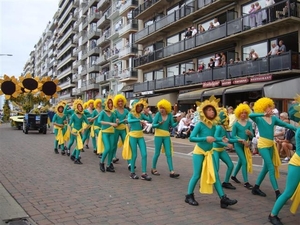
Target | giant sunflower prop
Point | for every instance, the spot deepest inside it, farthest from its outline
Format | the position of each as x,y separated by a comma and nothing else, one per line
135,104
9,87
30,84
242,108
49,88
119,97
165,104
213,102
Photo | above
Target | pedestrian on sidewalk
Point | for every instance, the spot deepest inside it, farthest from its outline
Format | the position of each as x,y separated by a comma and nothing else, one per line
203,162
162,122
242,129
265,121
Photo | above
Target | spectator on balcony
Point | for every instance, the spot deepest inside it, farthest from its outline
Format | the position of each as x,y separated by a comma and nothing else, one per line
116,50
252,16
258,14
201,67
201,29
253,55
223,59
211,63
231,61
217,60
274,49
146,51
194,31
270,10
238,60
188,33
211,26
281,48
216,22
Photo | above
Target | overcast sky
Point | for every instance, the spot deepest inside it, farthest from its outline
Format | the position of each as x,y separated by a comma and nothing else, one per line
22,23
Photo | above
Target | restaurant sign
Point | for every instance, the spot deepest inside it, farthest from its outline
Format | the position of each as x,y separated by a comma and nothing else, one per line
243,80
262,78
225,83
211,84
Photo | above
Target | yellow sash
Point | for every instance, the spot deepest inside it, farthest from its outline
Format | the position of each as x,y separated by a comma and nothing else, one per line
163,133
100,144
122,127
78,138
267,143
218,149
295,160
126,153
248,156
208,177
93,128
59,137
67,133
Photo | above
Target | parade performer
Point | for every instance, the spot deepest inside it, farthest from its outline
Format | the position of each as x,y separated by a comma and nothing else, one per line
292,187
96,126
137,119
219,148
59,120
76,124
68,112
162,122
265,121
203,162
106,137
88,112
242,129
121,114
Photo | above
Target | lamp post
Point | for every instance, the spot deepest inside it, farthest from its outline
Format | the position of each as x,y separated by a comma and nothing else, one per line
6,55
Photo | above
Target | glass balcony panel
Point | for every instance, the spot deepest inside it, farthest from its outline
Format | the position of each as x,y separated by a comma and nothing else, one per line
207,75
179,80
165,21
151,86
234,26
281,62
190,43
219,73
234,70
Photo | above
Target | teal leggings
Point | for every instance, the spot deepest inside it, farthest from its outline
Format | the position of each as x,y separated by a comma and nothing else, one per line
94,139
118,134
223,155
76,152
71,141
267,154
108,141
197,166
242,162
292,182
134,142
166,142
62,146
86,136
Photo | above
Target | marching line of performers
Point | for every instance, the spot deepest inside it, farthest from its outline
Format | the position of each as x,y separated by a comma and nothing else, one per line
110,126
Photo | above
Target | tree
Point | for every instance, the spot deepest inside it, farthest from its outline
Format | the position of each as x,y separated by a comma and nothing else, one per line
26,101
6,111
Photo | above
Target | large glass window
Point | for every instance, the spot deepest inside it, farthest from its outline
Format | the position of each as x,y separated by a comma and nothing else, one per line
246,8
261,49
185,67
172,70
159,74
148,76
205,60
172,9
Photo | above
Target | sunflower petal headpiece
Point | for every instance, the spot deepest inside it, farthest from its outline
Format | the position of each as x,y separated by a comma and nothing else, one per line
165,104
96,102
60,104
242,108
109,97
224,118
213,102
75,105
9,87
91,101
294,110
119,97
135,104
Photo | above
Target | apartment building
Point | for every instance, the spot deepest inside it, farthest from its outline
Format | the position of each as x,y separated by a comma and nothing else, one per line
170,61
30,63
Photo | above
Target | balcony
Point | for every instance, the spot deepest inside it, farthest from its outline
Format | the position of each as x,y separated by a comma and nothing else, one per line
102,60
75,64
114,12
65,94
91,84
94,17
112,75
76,24
66,48
93,68
126,30
114,32
85,9
129,5
288,62
84,54
65,15
93,3
94,51
85,23
103,4
85,39
76,91
103,40
111,55
66,84
94,34
104,21
101,79
65,37
128,74
83,71
223,35
128,52
64,73
67,59
76,12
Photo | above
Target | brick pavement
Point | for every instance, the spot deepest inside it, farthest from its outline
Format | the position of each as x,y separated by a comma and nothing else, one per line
52,190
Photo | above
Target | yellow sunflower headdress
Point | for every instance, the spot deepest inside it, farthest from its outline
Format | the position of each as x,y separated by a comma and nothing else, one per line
135,103
91,101
30,84
110,97
294,110
242,108
261,104
9,87
60,104
165,104
85,105
96,102
75,105
119,97
224,119
213,102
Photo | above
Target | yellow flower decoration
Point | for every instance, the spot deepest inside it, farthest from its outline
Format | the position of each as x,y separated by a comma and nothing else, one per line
135,104
30,84
294,110
110,97
261,104
119,97
75,106
9,87
165,104
96,102
224,118
242,108
60,104
91,101
85,105
213,102
49,88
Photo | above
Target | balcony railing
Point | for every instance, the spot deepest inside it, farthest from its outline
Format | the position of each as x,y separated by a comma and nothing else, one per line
102,4
94,17
103,40
129,4
101,79
128,51
236,26
104,21
127,74
129,28
284,62
142,7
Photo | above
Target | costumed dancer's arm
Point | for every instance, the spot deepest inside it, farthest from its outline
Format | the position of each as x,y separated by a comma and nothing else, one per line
147,117
132,119
253,116
68,112
54,121
173,124
85,119
156,123
194,135
71,120
218,133
297,138
125,120
279,122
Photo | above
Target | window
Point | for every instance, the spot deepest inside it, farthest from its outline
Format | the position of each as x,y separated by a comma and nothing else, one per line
184,67
172,70
148,76
159,74
261,49
172,40
205,60
246,8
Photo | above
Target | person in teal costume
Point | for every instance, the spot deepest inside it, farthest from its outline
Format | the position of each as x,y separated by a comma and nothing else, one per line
121,114
162,122
89,115
242,128
136,120
68,112
203,135
265,121
219,148
76,126
96,126
107,119
292,187
59,120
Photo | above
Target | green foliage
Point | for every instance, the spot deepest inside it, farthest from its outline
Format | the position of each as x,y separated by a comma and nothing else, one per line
28,100
6,111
